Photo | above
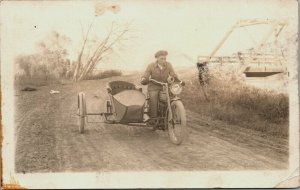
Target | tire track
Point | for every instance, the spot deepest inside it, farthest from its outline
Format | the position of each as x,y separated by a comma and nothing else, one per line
105,147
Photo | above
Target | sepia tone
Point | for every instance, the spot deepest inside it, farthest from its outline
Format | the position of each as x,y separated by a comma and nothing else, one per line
83,87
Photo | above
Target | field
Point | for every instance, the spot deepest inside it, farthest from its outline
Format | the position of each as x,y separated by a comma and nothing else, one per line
48,139
231,99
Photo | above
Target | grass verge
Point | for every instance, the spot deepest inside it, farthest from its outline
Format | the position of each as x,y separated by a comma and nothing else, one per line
234,102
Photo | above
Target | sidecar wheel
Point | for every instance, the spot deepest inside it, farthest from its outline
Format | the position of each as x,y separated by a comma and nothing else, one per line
177,128
81,112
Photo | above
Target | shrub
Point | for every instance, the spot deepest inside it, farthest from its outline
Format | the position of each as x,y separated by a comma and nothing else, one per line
103,74
48,65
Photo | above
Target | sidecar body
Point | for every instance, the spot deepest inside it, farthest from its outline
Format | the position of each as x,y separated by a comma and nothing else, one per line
127,102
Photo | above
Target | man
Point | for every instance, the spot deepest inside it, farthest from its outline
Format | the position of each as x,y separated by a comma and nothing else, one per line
160,71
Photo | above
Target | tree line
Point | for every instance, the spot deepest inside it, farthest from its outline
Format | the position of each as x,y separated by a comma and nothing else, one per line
51,61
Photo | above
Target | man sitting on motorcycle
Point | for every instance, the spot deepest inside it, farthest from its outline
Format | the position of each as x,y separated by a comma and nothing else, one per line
160,71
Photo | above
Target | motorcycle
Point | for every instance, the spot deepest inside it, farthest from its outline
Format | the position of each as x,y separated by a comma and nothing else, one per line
171,112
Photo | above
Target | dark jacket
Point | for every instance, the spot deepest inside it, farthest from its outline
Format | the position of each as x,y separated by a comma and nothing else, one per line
158,74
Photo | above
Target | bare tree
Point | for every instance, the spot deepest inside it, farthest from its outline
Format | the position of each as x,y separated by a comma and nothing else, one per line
102,49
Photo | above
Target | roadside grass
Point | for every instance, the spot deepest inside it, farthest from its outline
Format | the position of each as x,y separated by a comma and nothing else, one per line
232,101
103,74
36,81
42,80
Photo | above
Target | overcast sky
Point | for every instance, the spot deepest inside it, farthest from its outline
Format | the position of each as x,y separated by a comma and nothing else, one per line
185,28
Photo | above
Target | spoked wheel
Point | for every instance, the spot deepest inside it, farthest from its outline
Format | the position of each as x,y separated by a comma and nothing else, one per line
81,112
177,126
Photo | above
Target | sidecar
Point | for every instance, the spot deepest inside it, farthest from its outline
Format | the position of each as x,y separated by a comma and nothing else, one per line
126,105
126,102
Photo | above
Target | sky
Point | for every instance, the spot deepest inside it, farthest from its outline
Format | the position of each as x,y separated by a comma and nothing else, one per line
186,28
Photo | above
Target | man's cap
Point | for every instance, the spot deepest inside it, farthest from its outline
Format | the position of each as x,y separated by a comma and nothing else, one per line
160,53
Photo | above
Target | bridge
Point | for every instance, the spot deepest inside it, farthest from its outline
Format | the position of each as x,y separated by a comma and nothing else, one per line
263,60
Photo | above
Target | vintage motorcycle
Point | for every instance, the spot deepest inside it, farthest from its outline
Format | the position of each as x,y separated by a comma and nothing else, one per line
171,113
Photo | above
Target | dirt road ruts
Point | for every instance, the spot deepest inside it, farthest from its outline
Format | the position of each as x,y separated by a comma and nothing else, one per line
48,138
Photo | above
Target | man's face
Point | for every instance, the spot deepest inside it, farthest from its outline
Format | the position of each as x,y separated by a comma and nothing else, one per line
161,59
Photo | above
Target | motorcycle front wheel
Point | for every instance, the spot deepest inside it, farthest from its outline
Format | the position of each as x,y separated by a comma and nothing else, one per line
177,126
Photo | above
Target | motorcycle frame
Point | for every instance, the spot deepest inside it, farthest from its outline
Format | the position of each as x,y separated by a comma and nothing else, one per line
168,102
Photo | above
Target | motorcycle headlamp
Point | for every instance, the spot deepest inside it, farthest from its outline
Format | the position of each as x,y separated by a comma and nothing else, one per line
176,89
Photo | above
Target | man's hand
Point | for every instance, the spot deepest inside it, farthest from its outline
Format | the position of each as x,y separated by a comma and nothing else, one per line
144,81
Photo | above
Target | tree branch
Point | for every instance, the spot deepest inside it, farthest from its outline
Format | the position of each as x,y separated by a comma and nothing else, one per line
100,51
81,52
96,54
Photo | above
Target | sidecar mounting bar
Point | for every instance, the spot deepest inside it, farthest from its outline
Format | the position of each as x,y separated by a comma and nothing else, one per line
100,114
105,114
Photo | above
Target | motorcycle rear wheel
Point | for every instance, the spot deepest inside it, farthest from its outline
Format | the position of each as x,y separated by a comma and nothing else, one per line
177,126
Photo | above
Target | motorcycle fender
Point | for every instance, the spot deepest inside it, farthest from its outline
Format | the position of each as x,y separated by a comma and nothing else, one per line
169,110
170,114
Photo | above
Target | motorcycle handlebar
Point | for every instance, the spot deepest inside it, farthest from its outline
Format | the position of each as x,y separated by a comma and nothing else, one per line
165,84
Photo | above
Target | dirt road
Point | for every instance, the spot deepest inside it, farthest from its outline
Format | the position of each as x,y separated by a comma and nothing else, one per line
48,139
